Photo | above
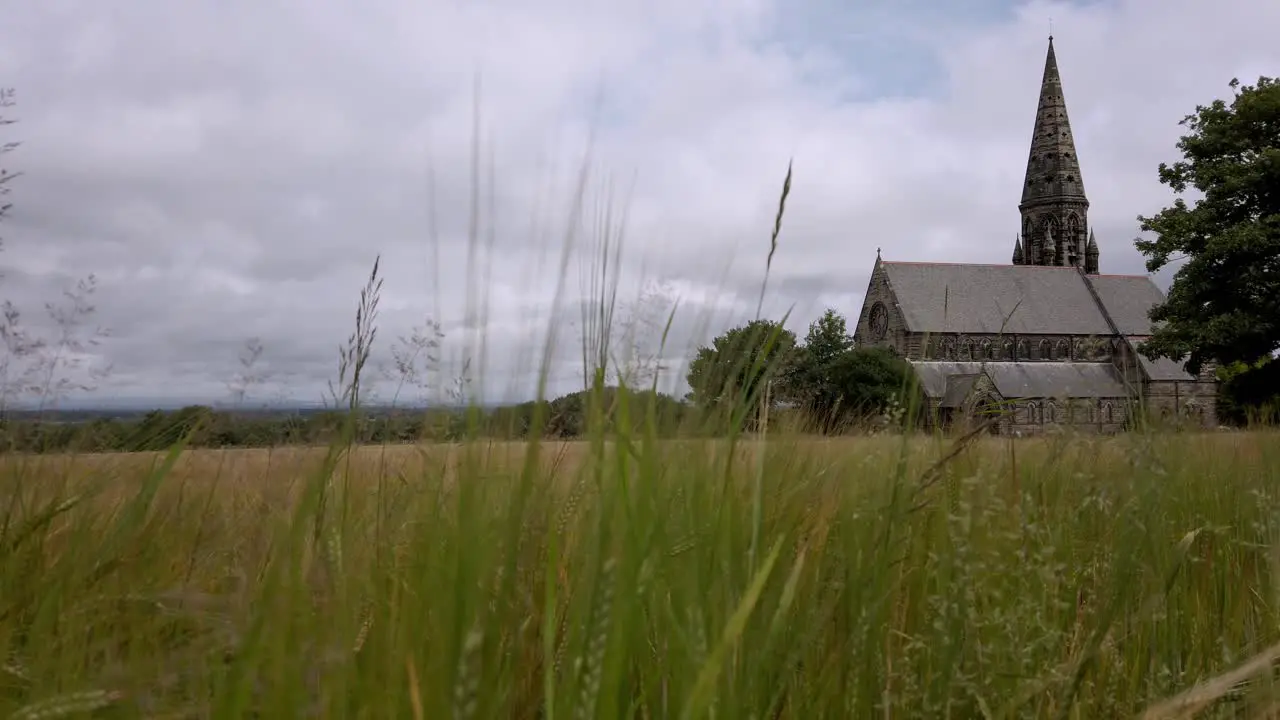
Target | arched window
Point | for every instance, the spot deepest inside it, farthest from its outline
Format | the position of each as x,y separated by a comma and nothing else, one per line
1061,350
1192,410
1107,412
1008,350
1022,351
1033,413
1044,350
1074,237
984,347
1051,411
966,349
949,348
1097,349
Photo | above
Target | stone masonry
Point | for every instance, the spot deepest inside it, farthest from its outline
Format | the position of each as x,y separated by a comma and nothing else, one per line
1047,341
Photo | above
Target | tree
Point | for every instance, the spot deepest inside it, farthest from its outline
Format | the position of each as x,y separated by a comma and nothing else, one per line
1249,393
834,382
1224,302
869,379
733,368
811,380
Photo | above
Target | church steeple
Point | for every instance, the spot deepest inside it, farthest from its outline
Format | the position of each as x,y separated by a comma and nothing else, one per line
1053,200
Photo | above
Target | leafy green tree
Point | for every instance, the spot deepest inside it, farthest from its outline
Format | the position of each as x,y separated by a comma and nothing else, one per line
869,378
1249,392
733,369
834,383
1224,302
813,381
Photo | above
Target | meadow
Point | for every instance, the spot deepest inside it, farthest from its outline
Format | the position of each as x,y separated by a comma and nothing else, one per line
787,577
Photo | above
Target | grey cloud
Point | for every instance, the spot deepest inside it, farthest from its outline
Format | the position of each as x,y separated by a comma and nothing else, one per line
231,170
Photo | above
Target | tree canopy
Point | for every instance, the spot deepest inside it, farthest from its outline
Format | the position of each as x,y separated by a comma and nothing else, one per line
826,377
737,362
1224,302
836,382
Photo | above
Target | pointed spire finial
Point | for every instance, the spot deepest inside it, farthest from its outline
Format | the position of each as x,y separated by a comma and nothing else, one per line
1053,171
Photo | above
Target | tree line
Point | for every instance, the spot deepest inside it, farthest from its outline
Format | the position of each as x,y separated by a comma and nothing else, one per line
823,384
202,426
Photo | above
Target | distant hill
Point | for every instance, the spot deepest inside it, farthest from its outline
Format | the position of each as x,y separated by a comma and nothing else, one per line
89,414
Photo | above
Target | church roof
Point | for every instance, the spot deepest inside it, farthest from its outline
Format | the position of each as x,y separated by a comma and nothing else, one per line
958,388
1008,299
1019,299
1161,368
1128,299
1023,379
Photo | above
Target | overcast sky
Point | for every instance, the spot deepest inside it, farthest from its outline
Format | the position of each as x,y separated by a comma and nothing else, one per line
230,170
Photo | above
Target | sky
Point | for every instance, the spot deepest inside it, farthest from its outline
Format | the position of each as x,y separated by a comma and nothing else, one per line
229,171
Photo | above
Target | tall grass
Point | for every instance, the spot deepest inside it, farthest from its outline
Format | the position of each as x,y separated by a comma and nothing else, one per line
632,576
1083,578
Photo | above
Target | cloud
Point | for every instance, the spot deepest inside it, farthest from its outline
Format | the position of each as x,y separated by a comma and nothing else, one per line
231,170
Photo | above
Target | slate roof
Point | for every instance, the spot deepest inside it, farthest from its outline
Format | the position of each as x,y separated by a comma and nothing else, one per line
1013,299
1127,299
1025,379
1162,369
958,388
1019,299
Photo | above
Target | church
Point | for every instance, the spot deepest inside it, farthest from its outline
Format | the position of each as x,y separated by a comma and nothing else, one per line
1046,341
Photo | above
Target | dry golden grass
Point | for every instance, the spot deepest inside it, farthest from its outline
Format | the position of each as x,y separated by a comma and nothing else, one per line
1077,574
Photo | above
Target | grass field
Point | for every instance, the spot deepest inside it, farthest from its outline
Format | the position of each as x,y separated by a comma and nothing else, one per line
877,577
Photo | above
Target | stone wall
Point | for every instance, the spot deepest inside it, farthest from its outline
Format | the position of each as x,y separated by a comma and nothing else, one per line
1036,416
897,337
1184,403
1010,348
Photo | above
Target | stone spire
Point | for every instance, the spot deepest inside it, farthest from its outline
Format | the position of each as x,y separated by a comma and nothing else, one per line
1017,250
1053,200
1091,255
